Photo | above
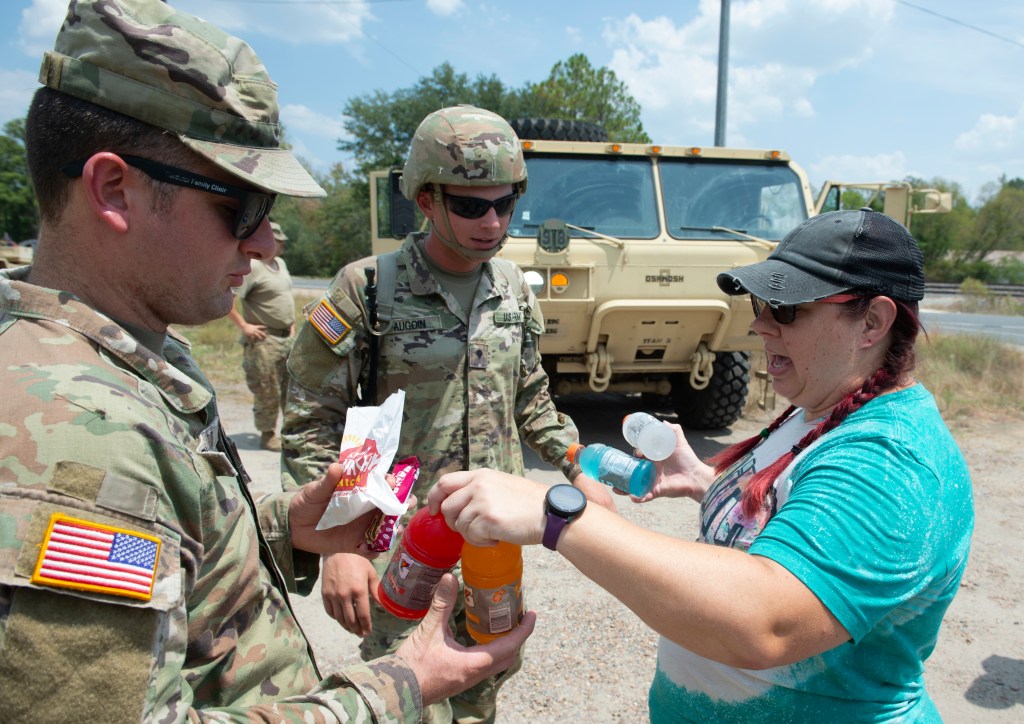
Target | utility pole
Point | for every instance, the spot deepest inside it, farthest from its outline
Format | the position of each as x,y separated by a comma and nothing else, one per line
723,74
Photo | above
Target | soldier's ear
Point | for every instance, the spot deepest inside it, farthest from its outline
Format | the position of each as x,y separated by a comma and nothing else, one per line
112,191
425,202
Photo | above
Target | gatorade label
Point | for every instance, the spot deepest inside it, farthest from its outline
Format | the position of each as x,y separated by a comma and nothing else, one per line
494,610
410,583
616,470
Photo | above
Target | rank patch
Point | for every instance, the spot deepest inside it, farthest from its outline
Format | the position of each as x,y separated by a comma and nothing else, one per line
90,556
331,326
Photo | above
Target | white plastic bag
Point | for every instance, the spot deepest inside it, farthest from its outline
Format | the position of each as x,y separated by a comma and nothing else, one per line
368,447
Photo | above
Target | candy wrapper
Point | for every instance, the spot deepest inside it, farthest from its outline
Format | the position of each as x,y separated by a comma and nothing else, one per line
380,534
368,446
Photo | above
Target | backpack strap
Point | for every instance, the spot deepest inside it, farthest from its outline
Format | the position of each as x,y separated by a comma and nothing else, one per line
387,275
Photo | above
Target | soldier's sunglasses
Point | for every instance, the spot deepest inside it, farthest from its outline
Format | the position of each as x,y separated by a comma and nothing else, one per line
786,313
253,206
471,207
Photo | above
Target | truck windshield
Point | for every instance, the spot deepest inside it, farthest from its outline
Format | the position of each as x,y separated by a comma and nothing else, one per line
609,195
760,199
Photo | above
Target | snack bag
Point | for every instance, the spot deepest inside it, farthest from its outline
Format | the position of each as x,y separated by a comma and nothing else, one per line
380,534
368,446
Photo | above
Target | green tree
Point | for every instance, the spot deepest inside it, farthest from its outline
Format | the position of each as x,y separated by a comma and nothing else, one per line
576,90
19,214
940,235
999,225
381,124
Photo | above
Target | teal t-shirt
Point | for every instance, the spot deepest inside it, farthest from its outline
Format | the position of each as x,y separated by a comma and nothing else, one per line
875,518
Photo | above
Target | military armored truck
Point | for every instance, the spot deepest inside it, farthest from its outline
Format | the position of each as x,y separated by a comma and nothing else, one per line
622,244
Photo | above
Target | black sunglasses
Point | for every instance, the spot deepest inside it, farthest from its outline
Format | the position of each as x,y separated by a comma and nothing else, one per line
471,207
253,206
786,313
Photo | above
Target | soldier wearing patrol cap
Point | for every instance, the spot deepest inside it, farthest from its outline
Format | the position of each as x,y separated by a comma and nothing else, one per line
139,580
458,330
267,321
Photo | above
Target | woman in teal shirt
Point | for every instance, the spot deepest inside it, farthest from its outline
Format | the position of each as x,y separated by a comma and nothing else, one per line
831,544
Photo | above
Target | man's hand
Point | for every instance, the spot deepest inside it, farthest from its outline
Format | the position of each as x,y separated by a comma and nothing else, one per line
442,665
306,509
254,332
596,492
347,583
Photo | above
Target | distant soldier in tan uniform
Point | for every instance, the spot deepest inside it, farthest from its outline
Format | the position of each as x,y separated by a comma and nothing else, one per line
459,332
267,321
139,580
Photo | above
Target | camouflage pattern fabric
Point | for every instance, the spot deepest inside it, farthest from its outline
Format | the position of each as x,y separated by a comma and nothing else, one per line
99,427
463,146
151,62
474,385
266,375
266,299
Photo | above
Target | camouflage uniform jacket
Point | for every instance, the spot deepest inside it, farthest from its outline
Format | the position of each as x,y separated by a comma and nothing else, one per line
474,384
97,427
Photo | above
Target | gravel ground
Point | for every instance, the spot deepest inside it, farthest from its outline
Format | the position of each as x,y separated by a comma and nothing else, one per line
592,660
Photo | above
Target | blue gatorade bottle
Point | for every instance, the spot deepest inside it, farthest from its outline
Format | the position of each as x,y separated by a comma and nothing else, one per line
613,467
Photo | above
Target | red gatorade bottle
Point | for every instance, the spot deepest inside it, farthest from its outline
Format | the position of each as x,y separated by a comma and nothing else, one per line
428,550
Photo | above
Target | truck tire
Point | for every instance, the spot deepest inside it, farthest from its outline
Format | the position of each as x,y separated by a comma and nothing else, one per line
554,129
721,403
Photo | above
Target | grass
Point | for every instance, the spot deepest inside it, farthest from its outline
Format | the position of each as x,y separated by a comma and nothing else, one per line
970,375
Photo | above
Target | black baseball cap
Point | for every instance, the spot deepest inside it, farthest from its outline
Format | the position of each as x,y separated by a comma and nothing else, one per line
834,253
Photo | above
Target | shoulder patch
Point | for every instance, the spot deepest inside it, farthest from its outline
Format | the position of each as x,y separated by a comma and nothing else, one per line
91,556
328,322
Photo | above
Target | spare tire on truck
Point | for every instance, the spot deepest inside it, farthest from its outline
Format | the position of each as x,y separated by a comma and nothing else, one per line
721,403
554,129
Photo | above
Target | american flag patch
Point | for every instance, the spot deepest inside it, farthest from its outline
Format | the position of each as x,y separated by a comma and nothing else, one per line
89,556
328,322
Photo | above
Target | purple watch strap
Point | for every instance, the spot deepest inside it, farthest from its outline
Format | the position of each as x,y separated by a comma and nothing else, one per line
553,529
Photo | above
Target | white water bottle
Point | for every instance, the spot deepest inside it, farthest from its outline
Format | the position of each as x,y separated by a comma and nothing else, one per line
649,435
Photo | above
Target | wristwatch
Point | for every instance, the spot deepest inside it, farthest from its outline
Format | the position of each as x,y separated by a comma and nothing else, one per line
563,504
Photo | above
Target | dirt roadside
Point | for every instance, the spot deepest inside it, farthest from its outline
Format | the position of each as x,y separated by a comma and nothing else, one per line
591,659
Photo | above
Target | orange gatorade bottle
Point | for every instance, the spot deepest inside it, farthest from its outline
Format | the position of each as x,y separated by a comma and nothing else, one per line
428,550
493,584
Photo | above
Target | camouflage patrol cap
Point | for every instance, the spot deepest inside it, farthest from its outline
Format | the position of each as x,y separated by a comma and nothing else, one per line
174,71
463,146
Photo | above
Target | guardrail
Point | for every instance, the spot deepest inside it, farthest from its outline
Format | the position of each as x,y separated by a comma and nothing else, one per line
949,288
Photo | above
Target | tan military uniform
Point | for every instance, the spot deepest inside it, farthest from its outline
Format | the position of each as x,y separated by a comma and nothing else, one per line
183,614
474,389
266,297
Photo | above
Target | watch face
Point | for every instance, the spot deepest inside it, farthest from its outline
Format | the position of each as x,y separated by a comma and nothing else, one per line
566,500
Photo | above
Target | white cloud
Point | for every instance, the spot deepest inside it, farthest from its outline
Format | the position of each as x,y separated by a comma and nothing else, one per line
444,8
778,51
302,119
993,133
851,168
16,89
292,23
39,25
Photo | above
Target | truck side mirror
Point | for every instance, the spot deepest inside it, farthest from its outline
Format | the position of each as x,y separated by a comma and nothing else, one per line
401,210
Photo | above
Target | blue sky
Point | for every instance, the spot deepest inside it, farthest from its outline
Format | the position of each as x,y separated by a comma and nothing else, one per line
856,90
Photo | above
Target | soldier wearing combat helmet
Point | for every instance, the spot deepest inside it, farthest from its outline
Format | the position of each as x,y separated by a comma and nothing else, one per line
139,580
458,330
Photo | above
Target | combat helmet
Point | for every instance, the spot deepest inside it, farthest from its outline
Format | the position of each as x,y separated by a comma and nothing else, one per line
463,146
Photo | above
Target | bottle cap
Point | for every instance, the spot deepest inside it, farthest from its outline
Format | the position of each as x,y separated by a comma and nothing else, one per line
573,451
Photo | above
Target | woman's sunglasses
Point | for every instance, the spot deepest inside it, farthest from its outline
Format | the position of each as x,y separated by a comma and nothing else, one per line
471,207
786,313
253,206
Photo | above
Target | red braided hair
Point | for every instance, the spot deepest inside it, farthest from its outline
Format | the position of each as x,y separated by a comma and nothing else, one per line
899,360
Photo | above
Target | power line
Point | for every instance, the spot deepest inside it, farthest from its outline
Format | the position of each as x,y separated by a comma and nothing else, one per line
960,22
